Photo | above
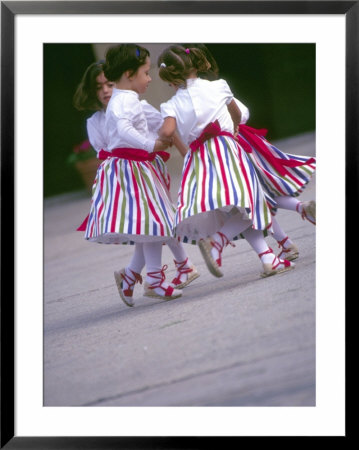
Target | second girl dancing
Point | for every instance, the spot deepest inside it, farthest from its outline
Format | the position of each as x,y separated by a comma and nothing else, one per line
220,195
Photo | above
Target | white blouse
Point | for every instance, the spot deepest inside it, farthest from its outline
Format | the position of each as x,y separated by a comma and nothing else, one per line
96,126
96,131
153,117
200,103
126,123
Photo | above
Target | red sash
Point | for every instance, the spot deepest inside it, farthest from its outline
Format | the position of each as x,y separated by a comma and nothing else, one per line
213,129
133,154
252,136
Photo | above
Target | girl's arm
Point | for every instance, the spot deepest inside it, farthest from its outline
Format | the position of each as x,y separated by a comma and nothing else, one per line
168,130
177,141
235,113
126,129
244,111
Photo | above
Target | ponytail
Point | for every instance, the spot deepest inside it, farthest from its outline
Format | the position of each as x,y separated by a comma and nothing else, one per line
176,63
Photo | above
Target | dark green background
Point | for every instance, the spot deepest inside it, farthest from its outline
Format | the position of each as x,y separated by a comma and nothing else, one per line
275,81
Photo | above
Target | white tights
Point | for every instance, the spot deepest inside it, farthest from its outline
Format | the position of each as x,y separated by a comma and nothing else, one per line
287,202
178,251
149,254
278,232
137,262
256,240
279,235
233,226
236,225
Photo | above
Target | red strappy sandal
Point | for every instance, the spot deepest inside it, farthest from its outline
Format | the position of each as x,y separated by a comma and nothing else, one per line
169,293
290,253
191,273
308,211
277,265
206,245
131,280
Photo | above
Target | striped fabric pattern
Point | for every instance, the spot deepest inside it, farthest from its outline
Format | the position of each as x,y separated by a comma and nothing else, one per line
216,178
274,183
130,203
162,169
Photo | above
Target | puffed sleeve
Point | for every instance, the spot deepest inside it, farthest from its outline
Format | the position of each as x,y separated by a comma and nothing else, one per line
130,119
167,109
94,133
244,111
225,90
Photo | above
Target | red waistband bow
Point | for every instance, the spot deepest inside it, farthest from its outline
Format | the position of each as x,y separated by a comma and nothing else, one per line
133,154
254,138
213,129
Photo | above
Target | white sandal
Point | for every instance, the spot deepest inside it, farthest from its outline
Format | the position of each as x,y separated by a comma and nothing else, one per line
276,266
206,245
289,253
169,293
126,294
191,273
308,211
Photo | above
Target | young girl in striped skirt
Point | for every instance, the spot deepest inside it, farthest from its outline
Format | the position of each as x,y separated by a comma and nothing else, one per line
282,175
220,195
131,202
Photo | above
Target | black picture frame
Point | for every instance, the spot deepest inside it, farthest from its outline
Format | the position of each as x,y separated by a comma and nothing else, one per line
9,9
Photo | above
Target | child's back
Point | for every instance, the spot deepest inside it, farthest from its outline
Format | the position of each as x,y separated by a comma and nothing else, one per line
200,103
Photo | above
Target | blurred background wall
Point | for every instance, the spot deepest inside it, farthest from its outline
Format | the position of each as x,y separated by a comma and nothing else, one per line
275,81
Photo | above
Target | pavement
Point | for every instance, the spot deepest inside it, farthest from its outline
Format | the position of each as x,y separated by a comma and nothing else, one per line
239,340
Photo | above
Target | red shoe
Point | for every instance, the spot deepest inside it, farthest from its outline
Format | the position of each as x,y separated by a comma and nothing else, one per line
184,275
130,280
155,289
276,266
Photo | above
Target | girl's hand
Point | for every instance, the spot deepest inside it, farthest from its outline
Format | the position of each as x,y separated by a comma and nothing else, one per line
162,144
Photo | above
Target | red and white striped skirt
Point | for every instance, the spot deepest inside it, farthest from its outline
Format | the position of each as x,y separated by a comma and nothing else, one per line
280,173
130,202
217,178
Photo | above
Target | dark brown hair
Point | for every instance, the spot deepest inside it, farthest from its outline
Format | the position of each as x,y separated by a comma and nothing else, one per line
85,97
124,57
